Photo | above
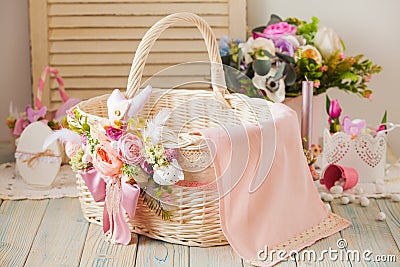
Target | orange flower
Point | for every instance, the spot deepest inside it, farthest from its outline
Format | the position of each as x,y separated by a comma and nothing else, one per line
106,161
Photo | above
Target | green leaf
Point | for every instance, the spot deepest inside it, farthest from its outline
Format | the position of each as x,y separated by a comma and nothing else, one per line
279,72
384,119
259,29
328,104
286,58
86,127
158,193
274,19
240,55
290,75
268,54
262,67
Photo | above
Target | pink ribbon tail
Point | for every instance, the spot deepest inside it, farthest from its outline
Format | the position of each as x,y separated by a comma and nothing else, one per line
120,198
95,184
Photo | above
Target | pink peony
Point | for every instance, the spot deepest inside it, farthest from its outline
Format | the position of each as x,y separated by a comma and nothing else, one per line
279,29
129,147
105,161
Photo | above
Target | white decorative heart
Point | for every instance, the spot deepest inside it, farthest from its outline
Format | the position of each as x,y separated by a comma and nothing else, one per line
371,150
335,146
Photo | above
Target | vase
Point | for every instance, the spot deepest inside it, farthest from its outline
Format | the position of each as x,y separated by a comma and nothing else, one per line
318,114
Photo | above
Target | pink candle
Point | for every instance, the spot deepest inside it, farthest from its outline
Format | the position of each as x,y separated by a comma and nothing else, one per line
306,112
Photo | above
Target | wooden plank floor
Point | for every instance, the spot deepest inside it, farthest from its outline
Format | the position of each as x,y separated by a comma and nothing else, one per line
54,233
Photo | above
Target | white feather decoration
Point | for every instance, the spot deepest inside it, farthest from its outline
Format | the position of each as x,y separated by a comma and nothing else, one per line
155,125
62,135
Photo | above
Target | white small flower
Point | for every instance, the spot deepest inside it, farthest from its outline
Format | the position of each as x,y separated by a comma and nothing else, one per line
345,200
274,90
168,175
253,45
364,201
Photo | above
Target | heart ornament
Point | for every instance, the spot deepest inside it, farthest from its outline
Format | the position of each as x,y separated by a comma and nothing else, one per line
336,146
371,149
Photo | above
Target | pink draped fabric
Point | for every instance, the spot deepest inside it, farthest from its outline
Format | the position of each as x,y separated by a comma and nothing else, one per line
267,195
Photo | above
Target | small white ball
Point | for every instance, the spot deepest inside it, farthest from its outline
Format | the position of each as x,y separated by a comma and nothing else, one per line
359,190
345,200
336,189
364,201
381,216
352,198
396,197
328,206
327,197
322,194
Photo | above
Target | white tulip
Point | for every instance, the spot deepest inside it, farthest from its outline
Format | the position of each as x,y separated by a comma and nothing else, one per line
328,42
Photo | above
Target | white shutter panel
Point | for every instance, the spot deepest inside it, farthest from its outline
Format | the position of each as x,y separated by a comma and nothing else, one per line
92,42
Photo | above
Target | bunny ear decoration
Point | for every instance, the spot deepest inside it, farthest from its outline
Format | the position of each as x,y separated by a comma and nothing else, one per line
120,108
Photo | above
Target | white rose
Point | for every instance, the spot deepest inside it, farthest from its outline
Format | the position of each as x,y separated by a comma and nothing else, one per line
328,42
251,46
275,90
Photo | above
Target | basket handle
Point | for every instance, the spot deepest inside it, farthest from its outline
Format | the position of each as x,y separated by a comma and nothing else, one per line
49,70
143,50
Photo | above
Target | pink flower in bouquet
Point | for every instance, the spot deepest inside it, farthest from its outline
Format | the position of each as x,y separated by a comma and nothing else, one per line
279,29
19,126
105,161
171,154
146,166
335,109
129,147
113,133
35,115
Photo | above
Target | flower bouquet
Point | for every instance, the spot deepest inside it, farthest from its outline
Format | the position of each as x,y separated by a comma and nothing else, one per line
283,53
123,158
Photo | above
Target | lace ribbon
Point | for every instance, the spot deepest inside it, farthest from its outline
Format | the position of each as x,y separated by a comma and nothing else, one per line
32,158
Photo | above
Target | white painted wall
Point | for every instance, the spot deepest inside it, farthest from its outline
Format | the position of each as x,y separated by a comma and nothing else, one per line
15,77
368,27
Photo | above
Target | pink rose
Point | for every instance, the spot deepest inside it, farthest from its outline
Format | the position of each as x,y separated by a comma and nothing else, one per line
129,147
106,161
279,29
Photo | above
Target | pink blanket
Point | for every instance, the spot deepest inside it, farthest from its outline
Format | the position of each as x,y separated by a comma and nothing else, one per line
268,200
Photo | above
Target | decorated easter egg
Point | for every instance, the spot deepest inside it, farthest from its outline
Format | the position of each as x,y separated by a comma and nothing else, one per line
37,167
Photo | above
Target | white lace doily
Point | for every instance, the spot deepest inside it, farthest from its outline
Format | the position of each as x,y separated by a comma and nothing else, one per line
13,187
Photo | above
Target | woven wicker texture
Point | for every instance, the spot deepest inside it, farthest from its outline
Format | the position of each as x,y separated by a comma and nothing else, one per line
195,220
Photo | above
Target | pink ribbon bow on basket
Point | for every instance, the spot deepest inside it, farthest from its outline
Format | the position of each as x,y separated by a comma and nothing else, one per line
119,198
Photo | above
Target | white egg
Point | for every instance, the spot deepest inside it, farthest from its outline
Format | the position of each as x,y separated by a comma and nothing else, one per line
336,189
381,216
345,200
327,197
352,198
168,175
364,201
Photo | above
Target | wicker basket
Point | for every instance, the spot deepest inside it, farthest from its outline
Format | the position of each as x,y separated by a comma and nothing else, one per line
195,220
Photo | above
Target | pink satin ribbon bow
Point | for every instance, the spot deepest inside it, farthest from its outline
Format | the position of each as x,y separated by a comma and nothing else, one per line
119,198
